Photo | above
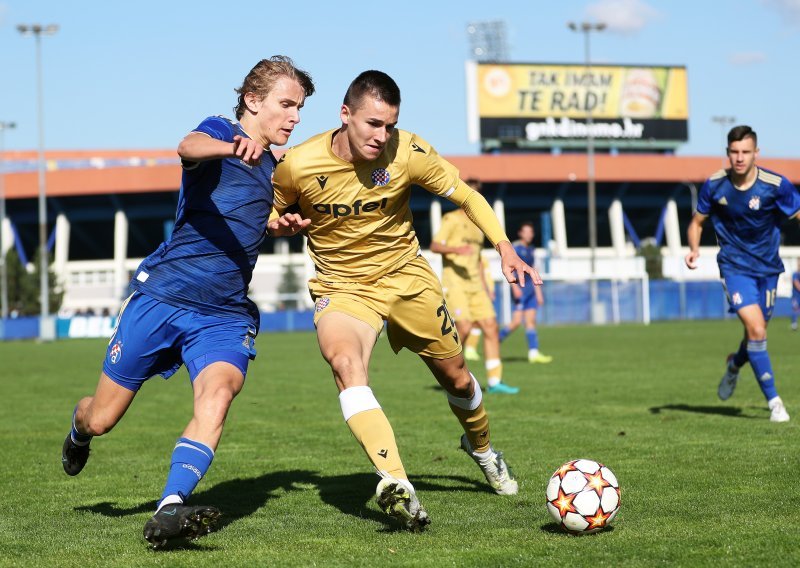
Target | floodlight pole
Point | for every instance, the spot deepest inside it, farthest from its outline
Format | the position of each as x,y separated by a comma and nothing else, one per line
586,28
37,30
3,270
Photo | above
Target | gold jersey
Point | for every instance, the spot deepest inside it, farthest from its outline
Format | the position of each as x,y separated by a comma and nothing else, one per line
462,270
361,224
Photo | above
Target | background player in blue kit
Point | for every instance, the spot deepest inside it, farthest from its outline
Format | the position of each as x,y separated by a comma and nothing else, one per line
526,300
190,304
747,205
795,296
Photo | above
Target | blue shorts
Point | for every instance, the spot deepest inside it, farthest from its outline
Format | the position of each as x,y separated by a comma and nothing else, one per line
526,302
154,338
743,290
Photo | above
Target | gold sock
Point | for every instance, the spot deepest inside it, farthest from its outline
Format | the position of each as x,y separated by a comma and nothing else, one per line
372,430
494,370
475,424
471,342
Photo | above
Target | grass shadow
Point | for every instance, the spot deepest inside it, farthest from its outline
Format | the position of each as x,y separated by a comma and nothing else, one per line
352,493
555,528
237,498
731,411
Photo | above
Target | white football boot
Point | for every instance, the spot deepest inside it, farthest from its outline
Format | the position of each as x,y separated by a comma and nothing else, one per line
494,467
778,410
397,498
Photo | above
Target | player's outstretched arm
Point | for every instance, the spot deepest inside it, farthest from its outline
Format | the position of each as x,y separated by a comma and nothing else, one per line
287,225
693,237
514,268
199,147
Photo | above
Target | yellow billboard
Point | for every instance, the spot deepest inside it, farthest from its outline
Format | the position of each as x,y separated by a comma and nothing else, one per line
554,101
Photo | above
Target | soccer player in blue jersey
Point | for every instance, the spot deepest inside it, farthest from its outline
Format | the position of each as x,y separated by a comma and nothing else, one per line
795,296
526,300
189,305
747,205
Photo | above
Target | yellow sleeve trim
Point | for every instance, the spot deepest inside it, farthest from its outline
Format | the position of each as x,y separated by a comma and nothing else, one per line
769,178
719,174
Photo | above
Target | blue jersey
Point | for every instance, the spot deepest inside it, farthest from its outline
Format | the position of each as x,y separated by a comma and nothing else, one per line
525,252
747,222
795,284
223,207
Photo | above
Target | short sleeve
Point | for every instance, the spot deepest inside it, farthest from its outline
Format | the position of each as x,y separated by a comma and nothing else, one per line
444,232
217,127
788,198
704,199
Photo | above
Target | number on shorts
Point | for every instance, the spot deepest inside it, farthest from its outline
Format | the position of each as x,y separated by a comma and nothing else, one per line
447,321
771,297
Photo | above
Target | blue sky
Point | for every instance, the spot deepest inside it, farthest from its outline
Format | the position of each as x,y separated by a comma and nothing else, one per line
131,75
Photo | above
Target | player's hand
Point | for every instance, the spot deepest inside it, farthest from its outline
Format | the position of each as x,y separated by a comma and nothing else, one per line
287,225
465,250
691,259
248,150
514,268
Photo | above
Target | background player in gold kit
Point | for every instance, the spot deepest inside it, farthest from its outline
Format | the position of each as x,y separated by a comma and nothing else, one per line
460,241
353,184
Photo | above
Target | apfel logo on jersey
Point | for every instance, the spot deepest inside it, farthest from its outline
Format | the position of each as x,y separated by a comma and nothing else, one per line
755,203
357,208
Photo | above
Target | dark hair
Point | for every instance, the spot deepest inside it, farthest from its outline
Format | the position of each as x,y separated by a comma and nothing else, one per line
376,84
474,183
741,132
262,78
526,224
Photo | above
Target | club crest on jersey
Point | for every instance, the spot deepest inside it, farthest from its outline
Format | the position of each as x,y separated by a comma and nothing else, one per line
736,298
322,303
755,203
249,338
380,176
116,352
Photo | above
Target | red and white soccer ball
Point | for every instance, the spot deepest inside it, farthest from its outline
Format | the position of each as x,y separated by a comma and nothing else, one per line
583,496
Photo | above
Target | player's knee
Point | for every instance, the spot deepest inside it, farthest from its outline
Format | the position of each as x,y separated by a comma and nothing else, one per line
344,365
757,333
490,328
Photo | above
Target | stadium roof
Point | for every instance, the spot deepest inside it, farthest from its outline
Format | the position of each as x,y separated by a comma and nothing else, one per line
73,173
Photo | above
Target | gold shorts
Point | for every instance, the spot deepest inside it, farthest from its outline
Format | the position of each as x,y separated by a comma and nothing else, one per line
469,305
409,299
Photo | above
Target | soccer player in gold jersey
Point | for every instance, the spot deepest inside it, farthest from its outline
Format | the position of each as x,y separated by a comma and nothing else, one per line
352,186
460,241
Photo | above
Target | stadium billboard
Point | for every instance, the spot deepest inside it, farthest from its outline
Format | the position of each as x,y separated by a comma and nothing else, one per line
534,105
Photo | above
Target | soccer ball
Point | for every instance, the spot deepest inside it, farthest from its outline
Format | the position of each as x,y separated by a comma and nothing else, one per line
583,496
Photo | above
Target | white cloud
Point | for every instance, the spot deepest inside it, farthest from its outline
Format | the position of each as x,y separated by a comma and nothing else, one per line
623,16
747,58
789,9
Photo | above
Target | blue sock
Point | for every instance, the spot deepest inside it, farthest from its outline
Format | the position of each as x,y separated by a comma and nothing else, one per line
190,462
759,360
504,332
77,437
533,338
794,317
740,358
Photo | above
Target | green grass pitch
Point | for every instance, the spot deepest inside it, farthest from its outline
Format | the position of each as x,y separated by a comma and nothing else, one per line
703,482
